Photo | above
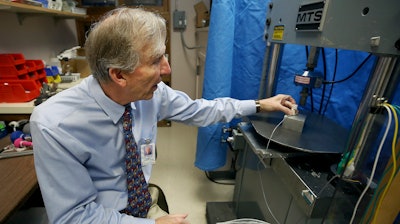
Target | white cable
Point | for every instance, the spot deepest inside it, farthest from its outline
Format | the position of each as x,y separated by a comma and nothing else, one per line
264,196
375,163
326,185
273,131
244,221
259,173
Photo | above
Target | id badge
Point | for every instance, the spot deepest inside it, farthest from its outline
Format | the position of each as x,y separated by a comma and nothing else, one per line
148,153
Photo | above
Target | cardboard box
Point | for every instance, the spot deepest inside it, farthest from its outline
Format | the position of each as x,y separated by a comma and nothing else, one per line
77,64
202,15
82,67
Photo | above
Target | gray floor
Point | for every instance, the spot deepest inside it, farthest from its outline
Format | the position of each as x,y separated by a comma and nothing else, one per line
186,187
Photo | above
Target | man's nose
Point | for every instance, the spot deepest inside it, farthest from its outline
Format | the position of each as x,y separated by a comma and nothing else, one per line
165,69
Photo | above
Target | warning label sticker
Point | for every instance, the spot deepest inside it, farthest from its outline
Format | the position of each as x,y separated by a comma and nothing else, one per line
278,32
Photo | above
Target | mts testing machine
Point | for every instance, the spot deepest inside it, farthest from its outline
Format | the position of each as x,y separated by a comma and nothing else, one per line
308,169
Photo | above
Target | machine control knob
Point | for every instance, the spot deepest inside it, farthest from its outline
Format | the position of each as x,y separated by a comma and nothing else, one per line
268,21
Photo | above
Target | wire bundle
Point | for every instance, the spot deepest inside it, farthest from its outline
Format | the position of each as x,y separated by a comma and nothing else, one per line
325,102
392,111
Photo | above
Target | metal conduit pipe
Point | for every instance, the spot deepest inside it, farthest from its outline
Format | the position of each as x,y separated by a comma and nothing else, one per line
272,69
262,89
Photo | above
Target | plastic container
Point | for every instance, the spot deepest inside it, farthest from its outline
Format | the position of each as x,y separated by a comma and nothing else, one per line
20,80
12,72
12,59
41,73
52,71
14,91
36,64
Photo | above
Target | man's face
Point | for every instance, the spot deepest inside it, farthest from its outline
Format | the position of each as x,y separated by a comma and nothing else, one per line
143,81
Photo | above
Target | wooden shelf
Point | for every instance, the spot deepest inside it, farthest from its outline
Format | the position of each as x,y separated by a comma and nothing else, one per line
26,9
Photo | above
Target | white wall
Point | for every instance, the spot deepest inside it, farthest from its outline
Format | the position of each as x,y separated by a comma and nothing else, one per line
37,37
183,61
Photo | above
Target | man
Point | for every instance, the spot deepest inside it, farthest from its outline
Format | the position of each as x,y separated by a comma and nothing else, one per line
78,134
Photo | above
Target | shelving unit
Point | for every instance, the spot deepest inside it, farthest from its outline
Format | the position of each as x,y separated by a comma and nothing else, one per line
26,10
16,111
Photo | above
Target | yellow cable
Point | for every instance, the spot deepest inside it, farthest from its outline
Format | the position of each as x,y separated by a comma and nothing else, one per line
394,160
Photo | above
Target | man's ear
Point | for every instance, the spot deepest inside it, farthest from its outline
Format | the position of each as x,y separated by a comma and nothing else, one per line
117,76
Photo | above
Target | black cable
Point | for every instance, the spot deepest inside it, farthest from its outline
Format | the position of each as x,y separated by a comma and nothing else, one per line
323,86
333,78
235,157
233,166
234,160
311,99
212,180
352,74
306,53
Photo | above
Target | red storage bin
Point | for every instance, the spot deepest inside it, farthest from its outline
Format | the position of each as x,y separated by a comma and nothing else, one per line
37,63
12,72
13,91
20,79
34,65
41,73
33,75
30,66
12,59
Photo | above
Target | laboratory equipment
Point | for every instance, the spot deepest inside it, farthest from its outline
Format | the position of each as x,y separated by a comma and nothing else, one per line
318,174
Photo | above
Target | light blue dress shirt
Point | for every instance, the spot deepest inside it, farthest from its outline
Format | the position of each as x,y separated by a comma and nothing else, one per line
79,146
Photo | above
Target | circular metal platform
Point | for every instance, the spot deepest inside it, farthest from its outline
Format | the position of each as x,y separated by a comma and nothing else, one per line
319,135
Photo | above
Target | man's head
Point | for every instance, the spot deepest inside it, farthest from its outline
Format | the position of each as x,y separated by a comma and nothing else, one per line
125,51
122,39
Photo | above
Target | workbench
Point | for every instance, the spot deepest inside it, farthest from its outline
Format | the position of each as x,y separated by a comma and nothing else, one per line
17,180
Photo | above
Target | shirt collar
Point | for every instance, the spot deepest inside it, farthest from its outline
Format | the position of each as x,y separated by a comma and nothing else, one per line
111,108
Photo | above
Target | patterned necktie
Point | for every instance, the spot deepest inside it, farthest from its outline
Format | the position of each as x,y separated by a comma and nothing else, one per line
139,199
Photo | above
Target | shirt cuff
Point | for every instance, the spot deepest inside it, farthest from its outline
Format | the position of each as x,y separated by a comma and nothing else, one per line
248,107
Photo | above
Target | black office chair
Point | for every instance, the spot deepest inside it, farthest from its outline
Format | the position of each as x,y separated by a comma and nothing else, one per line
162,201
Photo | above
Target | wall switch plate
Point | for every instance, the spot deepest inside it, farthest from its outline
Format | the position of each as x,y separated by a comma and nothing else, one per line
179,20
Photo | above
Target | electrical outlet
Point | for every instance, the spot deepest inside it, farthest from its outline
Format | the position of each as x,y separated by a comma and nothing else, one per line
179,20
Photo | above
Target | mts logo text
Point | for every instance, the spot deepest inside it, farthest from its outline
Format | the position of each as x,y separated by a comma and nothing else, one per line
312,16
